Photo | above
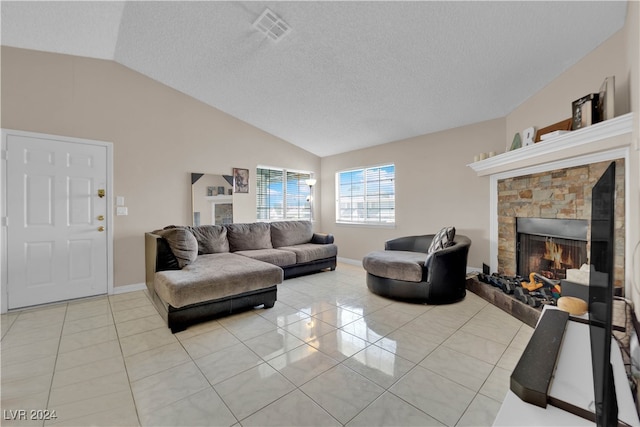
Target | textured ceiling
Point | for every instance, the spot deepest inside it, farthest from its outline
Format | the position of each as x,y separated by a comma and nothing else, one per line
349,74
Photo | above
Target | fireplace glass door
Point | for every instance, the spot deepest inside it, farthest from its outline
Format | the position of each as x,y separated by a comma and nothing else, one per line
550,247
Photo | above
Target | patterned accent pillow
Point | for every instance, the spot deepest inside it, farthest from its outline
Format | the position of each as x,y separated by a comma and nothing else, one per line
443,239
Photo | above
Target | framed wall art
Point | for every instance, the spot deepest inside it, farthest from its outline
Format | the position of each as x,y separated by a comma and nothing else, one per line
240,180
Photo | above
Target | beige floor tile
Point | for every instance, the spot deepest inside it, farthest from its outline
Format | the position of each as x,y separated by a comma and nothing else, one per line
443,399
88,389
87,338
28,369
148,340
273,344
134,313
407,345
475,346
164,388
76,374
380,366
22,388
86,355
15,337
29,352
150,362
210,342
87,323
227,362
339,344
481,412
75,409
461,368
302,364
204,408
136,326
308,329
497,384
252,390
390,410
293,409
342,392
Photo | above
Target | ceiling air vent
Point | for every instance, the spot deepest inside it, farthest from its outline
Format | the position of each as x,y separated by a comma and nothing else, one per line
272,25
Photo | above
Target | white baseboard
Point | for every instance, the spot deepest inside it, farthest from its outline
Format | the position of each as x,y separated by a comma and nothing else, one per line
129,288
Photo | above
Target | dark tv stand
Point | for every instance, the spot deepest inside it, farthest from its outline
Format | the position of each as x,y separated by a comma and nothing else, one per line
571,382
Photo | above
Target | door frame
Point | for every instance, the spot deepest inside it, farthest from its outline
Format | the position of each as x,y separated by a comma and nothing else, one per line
3,213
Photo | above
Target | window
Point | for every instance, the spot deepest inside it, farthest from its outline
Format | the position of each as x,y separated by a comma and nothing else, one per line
366,195
282,194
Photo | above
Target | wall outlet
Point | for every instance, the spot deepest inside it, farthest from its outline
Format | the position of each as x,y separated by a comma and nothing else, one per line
122,210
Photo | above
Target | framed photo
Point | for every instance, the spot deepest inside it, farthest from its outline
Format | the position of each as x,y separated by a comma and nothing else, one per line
240,180
210,191
561,127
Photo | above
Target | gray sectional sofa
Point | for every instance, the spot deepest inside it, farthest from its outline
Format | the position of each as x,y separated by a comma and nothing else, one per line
199,273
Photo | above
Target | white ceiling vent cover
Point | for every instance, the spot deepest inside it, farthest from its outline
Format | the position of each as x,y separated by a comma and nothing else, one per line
272,25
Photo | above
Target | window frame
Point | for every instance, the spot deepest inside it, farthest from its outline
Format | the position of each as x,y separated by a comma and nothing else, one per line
365,197
286,196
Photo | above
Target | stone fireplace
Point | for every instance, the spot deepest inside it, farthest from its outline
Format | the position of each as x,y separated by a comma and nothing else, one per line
560,198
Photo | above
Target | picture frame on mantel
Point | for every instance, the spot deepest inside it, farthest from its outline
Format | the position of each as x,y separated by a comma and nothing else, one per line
563,125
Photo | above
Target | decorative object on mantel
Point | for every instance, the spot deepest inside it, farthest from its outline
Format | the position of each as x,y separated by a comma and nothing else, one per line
585,111
210,191
606,99
563,126
528,136
517,142
483,156
240,180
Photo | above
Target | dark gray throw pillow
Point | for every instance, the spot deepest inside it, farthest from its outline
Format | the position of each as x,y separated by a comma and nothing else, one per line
183,244
444,238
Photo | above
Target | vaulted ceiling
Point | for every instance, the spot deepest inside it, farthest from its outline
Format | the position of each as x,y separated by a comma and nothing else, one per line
348,74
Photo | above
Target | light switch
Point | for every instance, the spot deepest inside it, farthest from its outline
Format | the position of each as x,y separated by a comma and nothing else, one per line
122,210
120,201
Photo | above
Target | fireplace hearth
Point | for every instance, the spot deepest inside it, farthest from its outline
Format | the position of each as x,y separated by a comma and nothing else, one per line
550,246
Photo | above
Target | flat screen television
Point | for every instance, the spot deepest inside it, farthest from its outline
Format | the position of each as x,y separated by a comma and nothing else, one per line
601,295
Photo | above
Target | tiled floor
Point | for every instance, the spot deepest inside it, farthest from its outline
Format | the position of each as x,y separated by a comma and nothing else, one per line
328,353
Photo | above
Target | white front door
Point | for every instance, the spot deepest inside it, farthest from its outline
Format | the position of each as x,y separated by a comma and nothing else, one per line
56,234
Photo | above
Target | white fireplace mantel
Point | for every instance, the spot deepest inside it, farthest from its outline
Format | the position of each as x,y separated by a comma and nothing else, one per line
608,140
599,137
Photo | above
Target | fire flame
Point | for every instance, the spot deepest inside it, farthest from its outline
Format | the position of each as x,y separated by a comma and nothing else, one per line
553,252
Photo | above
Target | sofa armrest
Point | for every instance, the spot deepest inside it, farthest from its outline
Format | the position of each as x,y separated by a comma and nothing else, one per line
322,238
410,243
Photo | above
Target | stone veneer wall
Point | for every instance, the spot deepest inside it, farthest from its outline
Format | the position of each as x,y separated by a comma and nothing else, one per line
561,194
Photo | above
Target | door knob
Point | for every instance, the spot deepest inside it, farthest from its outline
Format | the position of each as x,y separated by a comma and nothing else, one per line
101,228
100,217
101,193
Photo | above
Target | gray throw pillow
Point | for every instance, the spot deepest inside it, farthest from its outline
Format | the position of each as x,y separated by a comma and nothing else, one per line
291,233
246,237
183,244
212,239
444,238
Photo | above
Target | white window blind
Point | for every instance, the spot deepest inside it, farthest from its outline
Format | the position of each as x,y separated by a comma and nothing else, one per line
366,195
282,194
